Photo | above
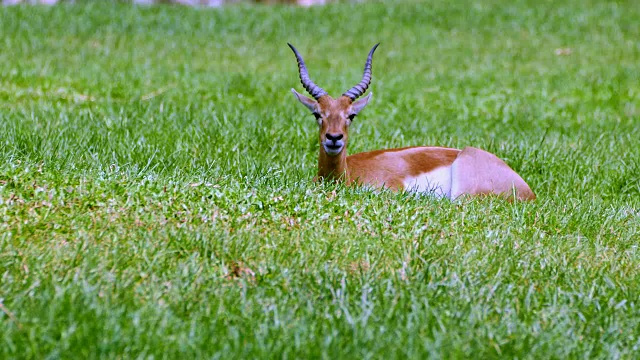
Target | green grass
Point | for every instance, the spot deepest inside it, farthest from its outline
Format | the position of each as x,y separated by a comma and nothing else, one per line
156,196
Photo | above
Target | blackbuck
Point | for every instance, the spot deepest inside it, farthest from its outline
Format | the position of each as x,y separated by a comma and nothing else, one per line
439,171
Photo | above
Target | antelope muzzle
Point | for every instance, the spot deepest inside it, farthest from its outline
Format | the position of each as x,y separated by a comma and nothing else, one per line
333,143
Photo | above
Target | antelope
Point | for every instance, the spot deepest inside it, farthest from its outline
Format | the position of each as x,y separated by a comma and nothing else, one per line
438,171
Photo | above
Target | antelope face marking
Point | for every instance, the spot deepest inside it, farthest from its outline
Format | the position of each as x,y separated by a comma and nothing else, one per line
334,122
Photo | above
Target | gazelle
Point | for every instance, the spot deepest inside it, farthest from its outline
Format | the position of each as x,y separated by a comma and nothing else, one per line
439,171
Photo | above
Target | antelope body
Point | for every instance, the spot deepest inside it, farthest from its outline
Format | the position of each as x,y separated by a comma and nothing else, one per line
438,171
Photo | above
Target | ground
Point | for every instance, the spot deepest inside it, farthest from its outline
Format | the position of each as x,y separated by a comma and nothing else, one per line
156,196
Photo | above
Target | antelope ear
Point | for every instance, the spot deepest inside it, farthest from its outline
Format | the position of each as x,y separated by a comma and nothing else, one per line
360,104
311,104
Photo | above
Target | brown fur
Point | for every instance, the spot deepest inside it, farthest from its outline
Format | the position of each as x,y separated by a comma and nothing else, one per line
389,167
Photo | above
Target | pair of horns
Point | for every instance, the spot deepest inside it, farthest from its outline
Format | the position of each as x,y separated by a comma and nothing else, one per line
317,92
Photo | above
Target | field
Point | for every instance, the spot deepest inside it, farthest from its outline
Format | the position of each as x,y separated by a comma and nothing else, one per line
156,197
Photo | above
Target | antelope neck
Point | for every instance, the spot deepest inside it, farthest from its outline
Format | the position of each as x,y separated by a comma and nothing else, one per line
332,167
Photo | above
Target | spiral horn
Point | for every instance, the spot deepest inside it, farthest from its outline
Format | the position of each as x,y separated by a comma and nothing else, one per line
357,91
314,90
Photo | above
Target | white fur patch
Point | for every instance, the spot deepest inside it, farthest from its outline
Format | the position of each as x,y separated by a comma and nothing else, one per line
436,182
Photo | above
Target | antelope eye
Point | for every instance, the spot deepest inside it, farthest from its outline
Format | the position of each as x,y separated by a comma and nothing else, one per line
317,115
351,116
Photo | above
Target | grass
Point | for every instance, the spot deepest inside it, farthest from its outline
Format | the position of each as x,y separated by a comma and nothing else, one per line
155,193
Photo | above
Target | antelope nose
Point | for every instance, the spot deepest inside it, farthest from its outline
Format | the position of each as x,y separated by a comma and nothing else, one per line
334,137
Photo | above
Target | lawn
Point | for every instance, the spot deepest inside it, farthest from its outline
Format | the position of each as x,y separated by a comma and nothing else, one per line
156,197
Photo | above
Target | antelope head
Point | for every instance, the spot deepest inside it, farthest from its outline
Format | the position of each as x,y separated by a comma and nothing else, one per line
333,115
